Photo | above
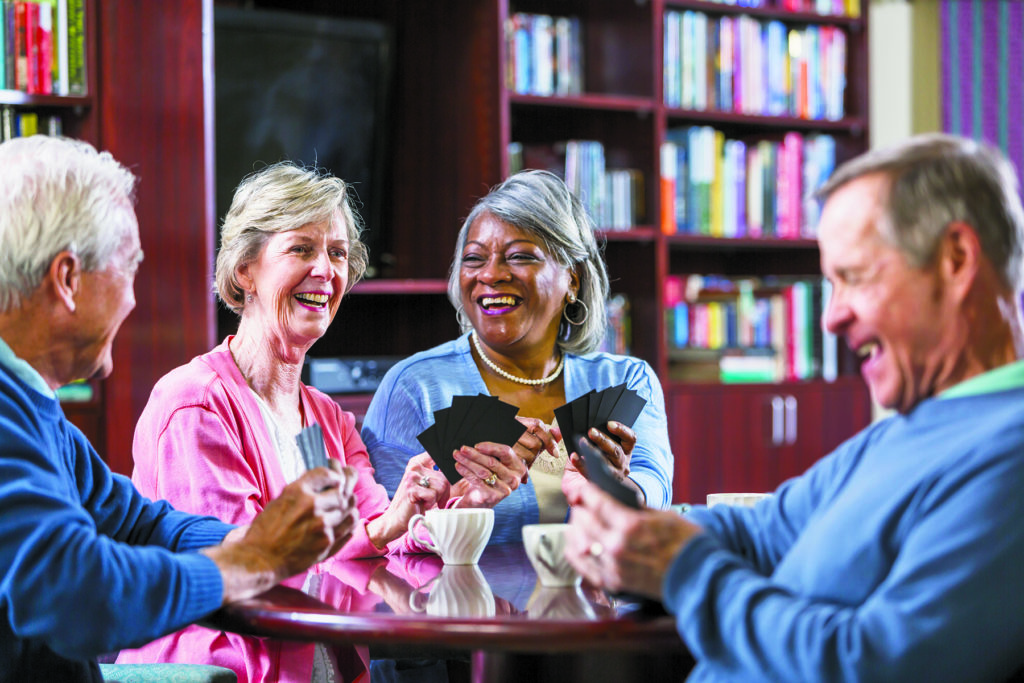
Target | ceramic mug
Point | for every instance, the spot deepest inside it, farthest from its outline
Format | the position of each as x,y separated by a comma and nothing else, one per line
458,535
545,546
458,591
738,499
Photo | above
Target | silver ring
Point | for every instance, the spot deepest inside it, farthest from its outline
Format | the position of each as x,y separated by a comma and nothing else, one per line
596,549
491,480
425,481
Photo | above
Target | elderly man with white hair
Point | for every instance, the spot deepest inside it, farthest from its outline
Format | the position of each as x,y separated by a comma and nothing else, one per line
87,564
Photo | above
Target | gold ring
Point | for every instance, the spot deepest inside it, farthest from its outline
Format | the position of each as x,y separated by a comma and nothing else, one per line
596,549
491,480
425,481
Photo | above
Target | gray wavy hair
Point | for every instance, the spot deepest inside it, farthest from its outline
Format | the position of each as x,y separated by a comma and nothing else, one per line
58,194
937,179
278,198
539,203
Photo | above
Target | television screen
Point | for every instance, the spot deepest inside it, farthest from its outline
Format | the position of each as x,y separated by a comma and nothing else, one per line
306,88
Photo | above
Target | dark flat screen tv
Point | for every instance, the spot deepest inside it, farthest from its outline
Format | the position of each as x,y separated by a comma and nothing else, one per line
307,88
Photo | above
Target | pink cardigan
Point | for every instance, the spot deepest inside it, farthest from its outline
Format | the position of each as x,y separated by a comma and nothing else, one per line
202,445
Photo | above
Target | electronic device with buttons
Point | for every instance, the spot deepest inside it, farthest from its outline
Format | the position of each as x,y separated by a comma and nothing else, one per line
357,375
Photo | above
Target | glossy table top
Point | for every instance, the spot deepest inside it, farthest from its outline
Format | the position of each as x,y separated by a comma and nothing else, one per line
497,605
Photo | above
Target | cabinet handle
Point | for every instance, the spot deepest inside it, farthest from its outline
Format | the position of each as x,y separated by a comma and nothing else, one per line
791,420
778,421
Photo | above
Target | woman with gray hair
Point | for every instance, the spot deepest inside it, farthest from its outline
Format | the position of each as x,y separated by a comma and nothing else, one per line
529,287
218,435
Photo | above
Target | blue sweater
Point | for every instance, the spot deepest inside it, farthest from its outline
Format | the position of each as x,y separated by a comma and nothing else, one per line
412,390
899,557
87,565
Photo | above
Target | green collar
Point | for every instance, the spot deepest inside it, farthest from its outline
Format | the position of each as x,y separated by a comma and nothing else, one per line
1003,378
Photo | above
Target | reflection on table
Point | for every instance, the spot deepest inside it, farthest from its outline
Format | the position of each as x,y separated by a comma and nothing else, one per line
414,606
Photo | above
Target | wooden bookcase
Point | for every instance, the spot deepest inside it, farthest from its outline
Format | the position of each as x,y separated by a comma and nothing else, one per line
454,121
151,104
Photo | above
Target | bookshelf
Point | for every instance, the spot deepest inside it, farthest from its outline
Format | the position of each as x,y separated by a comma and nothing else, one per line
151,101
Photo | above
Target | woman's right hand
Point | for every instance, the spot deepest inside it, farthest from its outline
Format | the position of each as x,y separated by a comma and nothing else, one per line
422,487
490,471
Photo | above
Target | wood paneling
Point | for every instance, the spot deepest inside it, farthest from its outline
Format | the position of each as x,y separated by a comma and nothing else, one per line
154,81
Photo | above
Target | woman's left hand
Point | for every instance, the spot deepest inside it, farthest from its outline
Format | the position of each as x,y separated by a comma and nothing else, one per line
616,453
490,471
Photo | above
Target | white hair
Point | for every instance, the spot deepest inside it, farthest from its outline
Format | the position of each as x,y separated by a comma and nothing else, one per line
58,194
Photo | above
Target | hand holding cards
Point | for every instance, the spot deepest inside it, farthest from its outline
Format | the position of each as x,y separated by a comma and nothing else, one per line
601,475
468,421
596,409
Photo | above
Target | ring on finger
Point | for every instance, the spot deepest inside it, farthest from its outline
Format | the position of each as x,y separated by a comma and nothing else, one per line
596,549
492,479
424,481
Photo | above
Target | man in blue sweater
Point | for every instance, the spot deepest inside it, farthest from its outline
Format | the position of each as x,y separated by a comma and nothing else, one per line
899,556
87,565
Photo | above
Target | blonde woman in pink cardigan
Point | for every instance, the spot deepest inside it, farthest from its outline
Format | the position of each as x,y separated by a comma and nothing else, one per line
218,434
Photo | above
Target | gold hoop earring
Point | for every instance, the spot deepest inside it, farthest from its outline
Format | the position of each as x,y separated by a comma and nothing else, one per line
568,318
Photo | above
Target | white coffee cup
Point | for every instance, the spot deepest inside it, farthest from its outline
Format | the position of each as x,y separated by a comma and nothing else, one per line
545,546
458,535
736,499
458,591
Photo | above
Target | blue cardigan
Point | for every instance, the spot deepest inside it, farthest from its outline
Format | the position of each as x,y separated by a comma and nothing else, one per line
412,390
898,557
87,565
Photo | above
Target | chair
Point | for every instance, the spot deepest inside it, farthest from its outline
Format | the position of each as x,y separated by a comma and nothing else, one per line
167,673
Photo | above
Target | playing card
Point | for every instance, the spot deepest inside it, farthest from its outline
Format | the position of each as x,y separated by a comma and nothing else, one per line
600,473
311,446
468,421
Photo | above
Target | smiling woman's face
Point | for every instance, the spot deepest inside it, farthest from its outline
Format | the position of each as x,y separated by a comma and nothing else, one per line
298,281
513,291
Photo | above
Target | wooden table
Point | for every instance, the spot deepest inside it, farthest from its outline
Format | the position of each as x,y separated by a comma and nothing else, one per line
495,615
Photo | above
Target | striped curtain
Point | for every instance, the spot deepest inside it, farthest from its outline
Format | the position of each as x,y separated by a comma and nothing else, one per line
983,72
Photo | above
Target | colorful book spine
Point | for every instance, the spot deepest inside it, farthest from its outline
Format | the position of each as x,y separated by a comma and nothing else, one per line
77,79
668,179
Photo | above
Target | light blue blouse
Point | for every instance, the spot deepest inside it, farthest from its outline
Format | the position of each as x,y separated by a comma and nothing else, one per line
412,390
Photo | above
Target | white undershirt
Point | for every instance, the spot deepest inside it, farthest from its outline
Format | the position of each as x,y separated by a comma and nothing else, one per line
546,473
325,669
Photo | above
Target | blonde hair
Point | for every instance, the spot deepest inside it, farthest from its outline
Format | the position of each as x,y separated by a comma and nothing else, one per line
279,198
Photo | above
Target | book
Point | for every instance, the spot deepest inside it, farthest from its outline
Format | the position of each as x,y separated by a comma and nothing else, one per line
60,82
3,45
77,80
667,180
6,122
44,42
20,50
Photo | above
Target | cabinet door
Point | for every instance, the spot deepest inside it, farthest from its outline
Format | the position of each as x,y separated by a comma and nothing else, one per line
751,438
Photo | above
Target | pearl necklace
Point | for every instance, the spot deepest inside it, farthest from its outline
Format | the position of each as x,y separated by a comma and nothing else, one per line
507,375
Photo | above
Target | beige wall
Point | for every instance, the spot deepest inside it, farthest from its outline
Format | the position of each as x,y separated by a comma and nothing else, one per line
904,69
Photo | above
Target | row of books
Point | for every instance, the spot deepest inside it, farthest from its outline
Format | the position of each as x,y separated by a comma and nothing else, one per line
720,187
614,197
545,55
746,329
850,8
19,123
42,46
745,65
